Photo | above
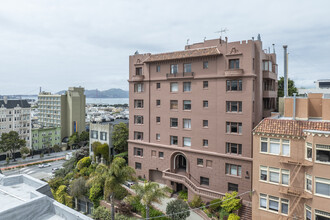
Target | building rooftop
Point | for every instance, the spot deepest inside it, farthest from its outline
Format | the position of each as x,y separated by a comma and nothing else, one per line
284,126
24,197
112,122
207,51
14,103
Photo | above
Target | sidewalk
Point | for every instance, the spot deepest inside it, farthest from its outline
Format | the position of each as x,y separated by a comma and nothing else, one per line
36,158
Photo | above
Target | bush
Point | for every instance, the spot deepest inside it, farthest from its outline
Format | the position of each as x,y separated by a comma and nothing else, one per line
101,213
41,155
196,202
183,195
95,194
84,162
177,206
233,216
57,148
215,206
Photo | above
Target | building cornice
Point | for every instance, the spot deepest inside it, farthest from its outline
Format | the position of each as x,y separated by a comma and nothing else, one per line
191,150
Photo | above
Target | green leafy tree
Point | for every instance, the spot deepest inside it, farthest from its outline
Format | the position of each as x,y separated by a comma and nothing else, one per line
73,139
230,203
120,137
24,151
11,142
57,148
62,196
118,174
100,149
84,162
148,193
176,209
78,189
84,136
291,87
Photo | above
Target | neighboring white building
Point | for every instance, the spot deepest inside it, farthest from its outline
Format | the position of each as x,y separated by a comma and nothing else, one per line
15,115
322,86
102,132
24,197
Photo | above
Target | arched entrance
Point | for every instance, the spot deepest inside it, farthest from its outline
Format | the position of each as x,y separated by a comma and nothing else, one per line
180,163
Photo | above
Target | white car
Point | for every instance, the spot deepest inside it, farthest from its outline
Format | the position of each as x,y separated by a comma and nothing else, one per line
44,165
129,184
41,165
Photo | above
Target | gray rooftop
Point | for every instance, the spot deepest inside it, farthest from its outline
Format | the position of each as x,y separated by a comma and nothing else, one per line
24,197
15,103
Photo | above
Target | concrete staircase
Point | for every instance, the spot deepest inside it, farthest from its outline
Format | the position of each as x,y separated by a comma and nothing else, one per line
245,212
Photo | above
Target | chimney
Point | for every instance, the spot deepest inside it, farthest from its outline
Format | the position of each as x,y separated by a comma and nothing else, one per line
285,70
5,99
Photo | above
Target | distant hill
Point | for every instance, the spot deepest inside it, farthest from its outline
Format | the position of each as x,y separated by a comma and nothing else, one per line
110,93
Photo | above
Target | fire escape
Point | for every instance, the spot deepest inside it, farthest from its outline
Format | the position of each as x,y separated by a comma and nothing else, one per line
295,192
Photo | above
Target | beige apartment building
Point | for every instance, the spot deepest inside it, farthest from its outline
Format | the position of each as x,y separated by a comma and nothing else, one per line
291,161
66,111
192,113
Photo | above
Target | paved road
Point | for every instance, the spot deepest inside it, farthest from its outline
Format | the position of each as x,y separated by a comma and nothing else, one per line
35,171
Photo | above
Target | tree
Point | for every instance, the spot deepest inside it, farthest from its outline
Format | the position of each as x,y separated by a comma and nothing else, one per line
118,174
78,189
291,87
148,193
84,136
74,139
62,196
120,137
11,142
176,209
24,151
101,150
230,203
57,148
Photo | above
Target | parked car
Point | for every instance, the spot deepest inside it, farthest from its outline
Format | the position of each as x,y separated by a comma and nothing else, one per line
41,166
129,184
44,165
55,169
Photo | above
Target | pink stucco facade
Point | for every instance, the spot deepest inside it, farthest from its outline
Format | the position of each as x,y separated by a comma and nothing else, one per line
213,151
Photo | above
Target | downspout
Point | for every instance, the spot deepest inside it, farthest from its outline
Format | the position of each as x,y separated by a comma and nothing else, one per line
285,71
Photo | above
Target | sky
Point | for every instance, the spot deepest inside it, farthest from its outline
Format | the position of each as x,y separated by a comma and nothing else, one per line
56,44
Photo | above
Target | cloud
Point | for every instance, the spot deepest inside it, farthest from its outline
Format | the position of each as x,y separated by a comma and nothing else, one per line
57,44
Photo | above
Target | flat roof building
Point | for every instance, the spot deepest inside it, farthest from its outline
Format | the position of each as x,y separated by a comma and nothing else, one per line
291,158
24,197
192,113
66,111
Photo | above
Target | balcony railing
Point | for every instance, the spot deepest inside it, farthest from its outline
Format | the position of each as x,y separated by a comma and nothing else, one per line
234,72
188,183
295,191
269,75
137,78
179,75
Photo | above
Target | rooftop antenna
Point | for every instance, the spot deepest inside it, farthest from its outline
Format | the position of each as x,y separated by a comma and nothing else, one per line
223,30
204,39
188,41
273,48
259,37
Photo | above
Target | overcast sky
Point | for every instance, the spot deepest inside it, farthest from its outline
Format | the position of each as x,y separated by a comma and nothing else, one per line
60,43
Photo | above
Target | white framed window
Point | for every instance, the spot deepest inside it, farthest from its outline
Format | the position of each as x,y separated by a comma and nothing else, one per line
138,87
322,153
187,67
309,151
174,140
308,183
275,146
158,137
174,87
308,212
187,142
322,187
274,175
232,169
173,122
186,104
174,104
186,123
138,152
274,204
322,215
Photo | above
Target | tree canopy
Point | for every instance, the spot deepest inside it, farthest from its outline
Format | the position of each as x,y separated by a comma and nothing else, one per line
291,87
120,137
176,209
11,142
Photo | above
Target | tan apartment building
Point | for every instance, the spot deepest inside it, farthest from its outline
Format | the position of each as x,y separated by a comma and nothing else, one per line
192,113
291,161
66,111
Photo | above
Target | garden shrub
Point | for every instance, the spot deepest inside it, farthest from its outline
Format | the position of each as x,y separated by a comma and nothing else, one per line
196,202
183,195
101,213
215,206
95,194
177,206
120,193
84,162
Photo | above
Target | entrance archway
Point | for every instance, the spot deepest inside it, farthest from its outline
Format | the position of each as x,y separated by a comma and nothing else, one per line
180,163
